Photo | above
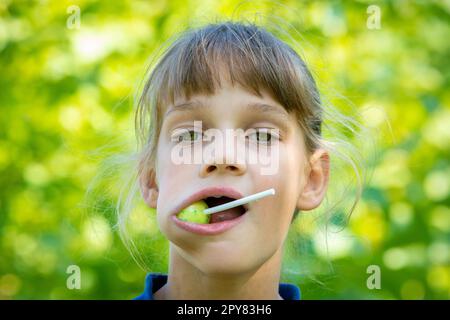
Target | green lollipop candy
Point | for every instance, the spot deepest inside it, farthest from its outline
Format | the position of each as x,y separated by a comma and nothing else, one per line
194,213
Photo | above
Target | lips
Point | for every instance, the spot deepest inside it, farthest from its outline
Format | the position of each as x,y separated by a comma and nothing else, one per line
220,221
211,192
210,229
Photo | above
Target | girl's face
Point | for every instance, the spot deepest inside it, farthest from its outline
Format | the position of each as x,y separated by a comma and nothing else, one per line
264,226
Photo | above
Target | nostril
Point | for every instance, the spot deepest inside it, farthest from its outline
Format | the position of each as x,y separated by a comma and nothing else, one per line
232,169
210,169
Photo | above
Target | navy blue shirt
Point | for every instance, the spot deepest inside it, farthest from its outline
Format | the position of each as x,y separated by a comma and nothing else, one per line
154,281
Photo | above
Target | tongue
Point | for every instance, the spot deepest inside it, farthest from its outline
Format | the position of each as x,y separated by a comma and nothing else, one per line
225,215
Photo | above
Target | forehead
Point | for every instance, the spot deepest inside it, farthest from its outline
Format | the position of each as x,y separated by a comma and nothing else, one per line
231,98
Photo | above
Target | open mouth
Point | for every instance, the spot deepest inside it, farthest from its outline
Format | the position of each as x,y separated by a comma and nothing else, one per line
225,215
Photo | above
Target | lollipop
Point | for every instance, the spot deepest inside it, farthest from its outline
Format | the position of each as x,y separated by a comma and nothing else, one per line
195,213
198,212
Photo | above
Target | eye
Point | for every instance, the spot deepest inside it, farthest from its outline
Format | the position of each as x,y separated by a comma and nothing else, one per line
263,135
186,136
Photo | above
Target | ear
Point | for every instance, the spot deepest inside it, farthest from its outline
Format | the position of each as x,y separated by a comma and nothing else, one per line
149,188
317,176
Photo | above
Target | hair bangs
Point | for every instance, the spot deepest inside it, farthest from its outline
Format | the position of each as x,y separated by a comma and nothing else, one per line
203,61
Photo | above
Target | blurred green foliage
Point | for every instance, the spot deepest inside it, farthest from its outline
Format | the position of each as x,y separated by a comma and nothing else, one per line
66,97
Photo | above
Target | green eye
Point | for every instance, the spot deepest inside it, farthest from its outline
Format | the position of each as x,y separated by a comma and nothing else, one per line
188,136
262,136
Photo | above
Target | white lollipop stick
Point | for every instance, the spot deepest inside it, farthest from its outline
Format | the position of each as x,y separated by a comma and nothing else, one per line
238,202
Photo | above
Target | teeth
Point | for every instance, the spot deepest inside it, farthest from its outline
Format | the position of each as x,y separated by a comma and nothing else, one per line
217,196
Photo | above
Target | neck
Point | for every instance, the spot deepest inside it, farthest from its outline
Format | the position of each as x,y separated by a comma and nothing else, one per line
185,281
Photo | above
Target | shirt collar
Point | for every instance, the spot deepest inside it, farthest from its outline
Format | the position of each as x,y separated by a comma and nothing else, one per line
154,281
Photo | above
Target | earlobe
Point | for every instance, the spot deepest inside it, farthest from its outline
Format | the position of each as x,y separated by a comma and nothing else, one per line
149,188
316,181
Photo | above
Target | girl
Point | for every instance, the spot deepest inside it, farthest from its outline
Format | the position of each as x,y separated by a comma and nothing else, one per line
229,76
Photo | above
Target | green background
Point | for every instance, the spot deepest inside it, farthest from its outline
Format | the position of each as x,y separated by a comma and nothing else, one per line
66,104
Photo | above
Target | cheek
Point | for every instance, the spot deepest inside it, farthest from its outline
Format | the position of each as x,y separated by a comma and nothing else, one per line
287,183
170,188
270,215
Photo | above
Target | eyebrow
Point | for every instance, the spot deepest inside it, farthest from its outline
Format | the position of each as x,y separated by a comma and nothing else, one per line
252,106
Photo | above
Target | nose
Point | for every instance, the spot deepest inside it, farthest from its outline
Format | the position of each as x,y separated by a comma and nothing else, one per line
233,164
235,169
